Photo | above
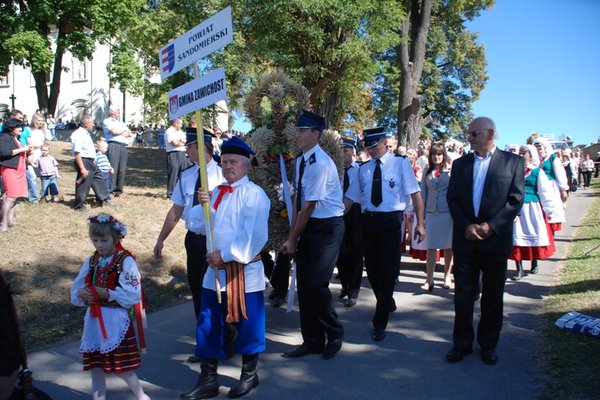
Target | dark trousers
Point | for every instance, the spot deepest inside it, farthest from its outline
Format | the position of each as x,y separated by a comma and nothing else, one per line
278,272
117,156
382,233
94,180
315,259
587,178
195,248
467,269
177,161
350,261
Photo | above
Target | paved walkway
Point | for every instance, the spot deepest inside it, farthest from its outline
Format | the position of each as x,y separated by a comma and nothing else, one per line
409,363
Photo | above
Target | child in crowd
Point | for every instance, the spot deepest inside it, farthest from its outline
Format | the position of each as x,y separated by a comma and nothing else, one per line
109,284
103,164
48,167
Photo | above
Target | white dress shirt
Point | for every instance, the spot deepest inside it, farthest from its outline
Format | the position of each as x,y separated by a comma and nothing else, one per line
398,182
480,169
184,192
320,183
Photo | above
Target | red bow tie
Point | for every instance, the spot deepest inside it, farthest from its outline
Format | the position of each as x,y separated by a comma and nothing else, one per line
222,190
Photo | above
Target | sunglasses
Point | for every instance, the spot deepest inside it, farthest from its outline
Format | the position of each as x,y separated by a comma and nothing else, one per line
476,133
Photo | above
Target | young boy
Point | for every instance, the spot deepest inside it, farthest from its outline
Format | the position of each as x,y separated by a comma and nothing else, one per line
103,164
48,173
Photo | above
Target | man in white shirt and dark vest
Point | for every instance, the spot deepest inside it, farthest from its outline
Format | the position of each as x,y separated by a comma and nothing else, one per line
240,213
382,189
315,236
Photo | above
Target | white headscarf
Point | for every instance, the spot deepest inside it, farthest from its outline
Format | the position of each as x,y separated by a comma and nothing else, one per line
535,158
544,142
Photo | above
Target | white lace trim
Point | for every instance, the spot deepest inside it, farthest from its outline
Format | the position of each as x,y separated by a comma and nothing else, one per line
91,348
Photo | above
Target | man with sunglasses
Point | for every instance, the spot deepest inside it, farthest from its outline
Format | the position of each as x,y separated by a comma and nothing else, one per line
485,194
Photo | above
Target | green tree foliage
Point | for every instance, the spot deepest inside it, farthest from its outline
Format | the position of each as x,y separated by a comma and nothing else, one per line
327,45
27,39
452,71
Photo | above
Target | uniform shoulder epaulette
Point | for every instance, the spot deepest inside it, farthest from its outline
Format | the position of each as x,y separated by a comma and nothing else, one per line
398,155
360,164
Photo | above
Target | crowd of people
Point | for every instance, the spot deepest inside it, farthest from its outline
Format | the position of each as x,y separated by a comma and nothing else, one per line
476,209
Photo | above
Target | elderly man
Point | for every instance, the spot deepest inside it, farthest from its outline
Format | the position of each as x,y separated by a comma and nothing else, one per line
117,135
485,194
88,175
240,211
176,158
382,189
315,236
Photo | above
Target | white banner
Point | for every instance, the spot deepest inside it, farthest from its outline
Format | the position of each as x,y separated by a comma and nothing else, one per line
208,36
197,94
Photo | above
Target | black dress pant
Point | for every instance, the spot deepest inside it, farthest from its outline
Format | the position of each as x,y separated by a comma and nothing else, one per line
117,156
195,248
316,256
467,269
278,272
177,161
94,180
350,261
382,233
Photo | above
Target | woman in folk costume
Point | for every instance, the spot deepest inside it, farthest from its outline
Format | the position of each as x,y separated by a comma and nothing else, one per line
554,170
532,236
109,284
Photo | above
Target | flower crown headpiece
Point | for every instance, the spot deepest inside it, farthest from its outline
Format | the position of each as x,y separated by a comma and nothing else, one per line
104,218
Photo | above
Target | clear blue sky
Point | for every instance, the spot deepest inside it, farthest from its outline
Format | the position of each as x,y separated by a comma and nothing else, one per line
544,68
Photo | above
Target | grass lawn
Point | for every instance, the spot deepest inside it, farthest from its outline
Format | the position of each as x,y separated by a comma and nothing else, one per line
571,360
43,253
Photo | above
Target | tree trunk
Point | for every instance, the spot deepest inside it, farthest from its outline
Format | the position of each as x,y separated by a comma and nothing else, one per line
56,73
411,57
41,90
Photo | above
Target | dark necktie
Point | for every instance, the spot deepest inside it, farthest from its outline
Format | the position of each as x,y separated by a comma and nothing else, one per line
376,197
346,179
196,188
299,191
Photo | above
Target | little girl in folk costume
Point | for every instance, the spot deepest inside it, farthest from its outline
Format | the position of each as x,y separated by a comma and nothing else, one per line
109,284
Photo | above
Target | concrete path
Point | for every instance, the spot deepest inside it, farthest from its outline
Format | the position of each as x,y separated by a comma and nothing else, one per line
409,363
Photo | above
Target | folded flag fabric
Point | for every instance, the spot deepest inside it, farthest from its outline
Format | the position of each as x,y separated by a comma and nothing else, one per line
580,323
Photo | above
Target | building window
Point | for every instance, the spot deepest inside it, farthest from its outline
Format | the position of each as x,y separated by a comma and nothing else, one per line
79,70
4,80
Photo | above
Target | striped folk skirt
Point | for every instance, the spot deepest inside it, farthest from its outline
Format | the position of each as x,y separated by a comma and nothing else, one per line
124,358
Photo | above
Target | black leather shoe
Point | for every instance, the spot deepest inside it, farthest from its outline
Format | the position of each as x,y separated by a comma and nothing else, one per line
489,356
378,334
343,293
351,302
333,346
457,355
301,351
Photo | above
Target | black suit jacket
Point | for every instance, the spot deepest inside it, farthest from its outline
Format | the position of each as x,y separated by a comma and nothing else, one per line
7,145
501,201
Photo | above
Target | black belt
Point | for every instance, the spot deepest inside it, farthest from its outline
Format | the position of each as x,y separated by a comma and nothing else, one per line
380,213
89,158
196,234
122,144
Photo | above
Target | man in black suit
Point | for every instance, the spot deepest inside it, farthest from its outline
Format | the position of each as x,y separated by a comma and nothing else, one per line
485,195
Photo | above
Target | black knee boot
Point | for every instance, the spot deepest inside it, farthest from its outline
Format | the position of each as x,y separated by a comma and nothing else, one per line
519,274
207,386
534,267
248,379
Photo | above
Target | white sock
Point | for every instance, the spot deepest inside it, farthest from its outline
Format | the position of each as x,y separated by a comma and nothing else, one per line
134,385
